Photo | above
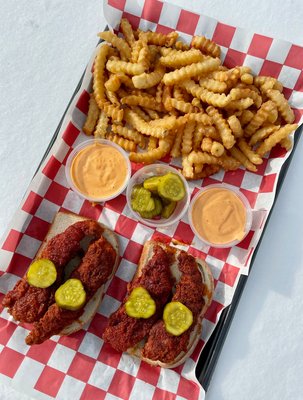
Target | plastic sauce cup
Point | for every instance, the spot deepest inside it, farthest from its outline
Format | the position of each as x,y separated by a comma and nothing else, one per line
84,145
195,223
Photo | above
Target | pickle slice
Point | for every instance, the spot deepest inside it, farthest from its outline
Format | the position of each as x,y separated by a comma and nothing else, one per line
140,304
171,187
152,183
168,209
153,213
135,190
141,200
177,318
42,273
71,295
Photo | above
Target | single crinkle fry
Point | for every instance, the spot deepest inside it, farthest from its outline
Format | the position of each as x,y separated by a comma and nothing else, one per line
187,139
214,99
183,106
201,117
228,138
259,118
273,116
126,80
116,66
212,132
181,46
282,105
286,143
211,146
247,78
207,170
112,97
198,136
197,103
154,154
136,47
159,93
275,138
153,54
141,113
206,144
235,126
240,105
245,117
147,80
189,71
176,148
207,46
143,101
267,82
127,145
213,85
129,134
241,93
159,39
217,149
168,122
238,155
144,55
228,163
166,98
127,31
112,111
188,168
92,116
101,127
113,83
179,58
144,127
262,133
117,42
249,153
99,67
224,74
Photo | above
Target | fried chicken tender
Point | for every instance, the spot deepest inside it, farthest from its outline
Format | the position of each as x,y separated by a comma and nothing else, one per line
27,303
160,344
93,271
123,331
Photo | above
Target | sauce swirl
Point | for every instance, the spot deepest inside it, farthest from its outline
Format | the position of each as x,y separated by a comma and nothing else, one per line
99,171
219,216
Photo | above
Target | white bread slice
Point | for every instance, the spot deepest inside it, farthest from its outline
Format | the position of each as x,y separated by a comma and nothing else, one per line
63,220
208,291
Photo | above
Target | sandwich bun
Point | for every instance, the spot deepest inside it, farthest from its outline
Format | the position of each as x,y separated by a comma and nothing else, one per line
62,221
208,290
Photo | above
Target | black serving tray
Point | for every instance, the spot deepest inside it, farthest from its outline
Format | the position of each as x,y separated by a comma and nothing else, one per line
211,351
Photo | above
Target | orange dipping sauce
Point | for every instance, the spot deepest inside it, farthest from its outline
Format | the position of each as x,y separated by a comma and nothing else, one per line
99,171
219,216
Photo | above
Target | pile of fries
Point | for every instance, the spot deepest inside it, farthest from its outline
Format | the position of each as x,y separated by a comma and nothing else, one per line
155,96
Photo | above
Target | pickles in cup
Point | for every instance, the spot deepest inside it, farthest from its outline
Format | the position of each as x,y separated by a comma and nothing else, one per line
158,195
143,190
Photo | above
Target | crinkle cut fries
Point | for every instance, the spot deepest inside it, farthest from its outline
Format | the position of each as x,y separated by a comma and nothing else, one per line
155,96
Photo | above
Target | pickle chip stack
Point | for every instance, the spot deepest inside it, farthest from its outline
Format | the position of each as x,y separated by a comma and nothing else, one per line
157,196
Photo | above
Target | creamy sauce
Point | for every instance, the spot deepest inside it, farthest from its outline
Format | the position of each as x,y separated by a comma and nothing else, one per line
99,171
219,216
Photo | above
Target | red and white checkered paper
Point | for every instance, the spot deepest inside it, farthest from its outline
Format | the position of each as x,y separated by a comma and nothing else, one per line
82,366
